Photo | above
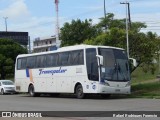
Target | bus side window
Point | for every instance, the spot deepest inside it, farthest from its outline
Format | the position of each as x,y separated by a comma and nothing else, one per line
77,57
64,59
40,61
92,64
31,62
51,60
21,63
54,59
81,58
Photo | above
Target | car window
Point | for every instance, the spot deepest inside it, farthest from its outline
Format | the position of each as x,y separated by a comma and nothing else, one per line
7,83
0,83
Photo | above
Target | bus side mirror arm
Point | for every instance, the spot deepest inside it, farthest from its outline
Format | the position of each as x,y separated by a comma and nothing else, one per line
100,59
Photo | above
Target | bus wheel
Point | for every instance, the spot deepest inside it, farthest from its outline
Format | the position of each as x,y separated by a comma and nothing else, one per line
105,95
79,92
32,92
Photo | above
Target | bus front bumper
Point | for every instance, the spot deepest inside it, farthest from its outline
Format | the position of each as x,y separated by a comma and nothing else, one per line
114,90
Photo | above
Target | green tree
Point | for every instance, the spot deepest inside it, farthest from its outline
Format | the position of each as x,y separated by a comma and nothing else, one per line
77,32
8,53
143,46
115,37
110,22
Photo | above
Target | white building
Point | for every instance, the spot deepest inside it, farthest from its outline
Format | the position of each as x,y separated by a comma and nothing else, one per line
45,44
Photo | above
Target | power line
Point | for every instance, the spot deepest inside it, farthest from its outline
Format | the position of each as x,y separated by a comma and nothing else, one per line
154,26
151,22
136,0
149,29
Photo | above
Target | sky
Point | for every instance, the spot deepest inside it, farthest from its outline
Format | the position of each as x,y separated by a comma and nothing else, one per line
38,17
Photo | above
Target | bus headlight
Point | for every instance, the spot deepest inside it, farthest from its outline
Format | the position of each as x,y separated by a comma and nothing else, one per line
105,83
128,84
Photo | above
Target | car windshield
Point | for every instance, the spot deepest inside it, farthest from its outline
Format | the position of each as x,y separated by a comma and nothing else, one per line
115,66
7,83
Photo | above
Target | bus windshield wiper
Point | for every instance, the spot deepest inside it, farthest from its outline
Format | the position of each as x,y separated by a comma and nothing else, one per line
114,71
122,74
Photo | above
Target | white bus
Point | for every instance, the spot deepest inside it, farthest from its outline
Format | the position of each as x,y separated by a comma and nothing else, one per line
79,69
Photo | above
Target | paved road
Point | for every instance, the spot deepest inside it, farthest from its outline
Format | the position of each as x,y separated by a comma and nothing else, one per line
70,103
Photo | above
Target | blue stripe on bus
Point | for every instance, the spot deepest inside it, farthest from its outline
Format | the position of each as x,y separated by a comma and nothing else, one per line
27,72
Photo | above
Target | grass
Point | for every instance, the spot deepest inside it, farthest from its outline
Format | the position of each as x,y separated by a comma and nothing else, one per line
146,90
139,76
145,85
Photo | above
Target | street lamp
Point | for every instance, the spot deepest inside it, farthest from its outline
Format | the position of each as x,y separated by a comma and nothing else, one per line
104,8
5,18
126,3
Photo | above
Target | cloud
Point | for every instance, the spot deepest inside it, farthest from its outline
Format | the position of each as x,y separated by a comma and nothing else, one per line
36,26
20,19
16,10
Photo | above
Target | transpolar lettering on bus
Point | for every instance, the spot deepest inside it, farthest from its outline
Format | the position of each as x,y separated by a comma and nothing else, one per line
41,71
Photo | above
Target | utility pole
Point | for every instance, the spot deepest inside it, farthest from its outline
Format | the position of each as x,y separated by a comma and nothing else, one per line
105,13
5,18
127,15
57,20
29,45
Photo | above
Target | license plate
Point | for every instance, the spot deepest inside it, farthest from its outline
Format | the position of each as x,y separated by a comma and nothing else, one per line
117,90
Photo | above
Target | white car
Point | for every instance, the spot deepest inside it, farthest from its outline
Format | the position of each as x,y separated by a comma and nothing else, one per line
7,86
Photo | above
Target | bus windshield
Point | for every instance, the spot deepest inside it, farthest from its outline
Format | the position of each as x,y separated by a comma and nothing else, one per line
115,66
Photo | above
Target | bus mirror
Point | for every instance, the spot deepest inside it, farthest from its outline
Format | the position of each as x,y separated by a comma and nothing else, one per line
133,62
100,59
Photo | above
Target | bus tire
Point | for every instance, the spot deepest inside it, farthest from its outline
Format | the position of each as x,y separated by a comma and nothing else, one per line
32,92
79,92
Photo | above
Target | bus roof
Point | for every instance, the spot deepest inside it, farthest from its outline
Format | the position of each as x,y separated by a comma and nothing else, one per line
69,48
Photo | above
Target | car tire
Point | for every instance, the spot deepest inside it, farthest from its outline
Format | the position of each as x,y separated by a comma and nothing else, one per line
2,92
79,92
